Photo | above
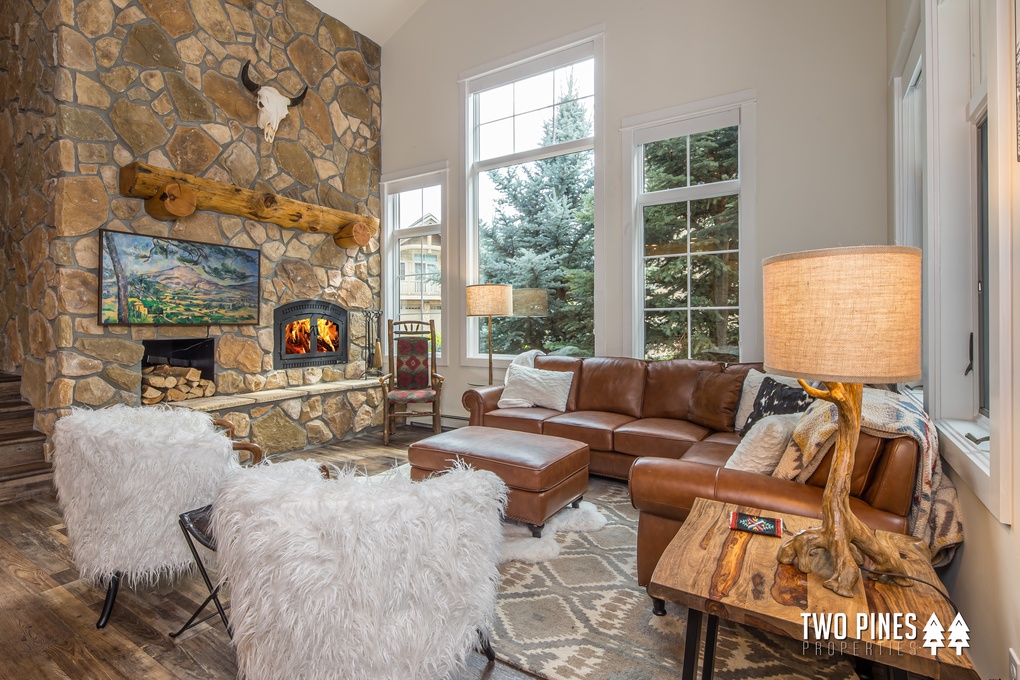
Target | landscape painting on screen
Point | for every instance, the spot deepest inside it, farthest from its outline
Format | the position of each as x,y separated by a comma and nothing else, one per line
148,280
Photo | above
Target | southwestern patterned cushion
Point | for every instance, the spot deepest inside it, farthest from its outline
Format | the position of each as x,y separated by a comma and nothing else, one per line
411,396
413,364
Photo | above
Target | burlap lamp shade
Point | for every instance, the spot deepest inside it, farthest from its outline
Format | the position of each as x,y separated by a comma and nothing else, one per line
844,314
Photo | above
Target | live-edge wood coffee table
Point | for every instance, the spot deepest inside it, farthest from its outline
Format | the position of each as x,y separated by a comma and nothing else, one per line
735,575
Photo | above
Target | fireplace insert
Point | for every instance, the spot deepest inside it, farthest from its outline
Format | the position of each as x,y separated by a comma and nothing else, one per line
309,333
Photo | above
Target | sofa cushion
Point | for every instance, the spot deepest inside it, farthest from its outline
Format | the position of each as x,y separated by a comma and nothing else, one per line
558,363
669,385
612,384
663,437
732,439
710,453
776,399
714,400
764,444
865,456
594,428
526,387
519,419
749,392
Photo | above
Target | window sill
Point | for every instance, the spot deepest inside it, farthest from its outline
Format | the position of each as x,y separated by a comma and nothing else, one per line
970,461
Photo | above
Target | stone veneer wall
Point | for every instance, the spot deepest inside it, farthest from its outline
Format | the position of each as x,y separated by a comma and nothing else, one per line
157,81
28,304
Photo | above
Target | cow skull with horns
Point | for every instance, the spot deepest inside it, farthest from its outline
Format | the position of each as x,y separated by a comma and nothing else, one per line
273,106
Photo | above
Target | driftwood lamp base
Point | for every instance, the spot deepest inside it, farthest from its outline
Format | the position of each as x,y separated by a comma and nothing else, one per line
845,538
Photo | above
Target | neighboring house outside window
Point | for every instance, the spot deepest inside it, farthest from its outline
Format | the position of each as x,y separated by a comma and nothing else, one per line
414,249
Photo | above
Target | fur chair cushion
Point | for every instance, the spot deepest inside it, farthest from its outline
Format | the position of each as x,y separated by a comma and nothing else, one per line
352,578
123,475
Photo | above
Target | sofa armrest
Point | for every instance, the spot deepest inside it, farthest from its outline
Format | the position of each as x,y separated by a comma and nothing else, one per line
480,400
667,488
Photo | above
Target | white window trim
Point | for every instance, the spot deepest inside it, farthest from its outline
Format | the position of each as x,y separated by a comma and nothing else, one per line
987,469
674,122
391,185
584,43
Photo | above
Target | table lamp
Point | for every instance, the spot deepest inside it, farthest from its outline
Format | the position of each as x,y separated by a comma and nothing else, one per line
844,316
490,299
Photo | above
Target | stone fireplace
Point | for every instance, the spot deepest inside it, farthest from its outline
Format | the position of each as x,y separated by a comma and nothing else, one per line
101,87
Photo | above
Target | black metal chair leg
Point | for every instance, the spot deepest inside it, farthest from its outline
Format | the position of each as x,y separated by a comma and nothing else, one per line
486,647
577,502
658,606
111,597
536,530
205,603
188,526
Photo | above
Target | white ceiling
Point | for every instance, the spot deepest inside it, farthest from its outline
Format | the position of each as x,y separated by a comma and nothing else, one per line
377,19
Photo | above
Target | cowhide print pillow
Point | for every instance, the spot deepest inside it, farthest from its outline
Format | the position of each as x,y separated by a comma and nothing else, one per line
775,398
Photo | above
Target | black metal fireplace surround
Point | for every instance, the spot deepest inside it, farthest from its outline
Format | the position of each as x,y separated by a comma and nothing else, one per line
309,333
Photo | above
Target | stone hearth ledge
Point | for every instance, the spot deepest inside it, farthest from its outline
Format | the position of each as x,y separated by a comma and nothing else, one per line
231,401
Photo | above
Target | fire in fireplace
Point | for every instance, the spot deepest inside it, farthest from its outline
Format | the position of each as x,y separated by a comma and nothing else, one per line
310,333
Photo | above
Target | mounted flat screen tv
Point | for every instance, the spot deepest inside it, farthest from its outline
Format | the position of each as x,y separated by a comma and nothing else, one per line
150,280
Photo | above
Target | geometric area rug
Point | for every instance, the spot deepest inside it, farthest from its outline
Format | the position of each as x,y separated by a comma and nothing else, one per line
582,615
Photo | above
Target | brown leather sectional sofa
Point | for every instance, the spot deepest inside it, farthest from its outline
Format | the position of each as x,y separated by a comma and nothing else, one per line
633,415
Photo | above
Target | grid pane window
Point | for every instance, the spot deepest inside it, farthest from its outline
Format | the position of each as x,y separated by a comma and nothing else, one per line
535,215
691,248
521,116
415,224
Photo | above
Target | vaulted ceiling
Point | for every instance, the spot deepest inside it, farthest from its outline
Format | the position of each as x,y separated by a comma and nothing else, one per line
377,19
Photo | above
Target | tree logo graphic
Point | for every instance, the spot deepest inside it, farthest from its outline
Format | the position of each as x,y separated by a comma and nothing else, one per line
959,634
933,635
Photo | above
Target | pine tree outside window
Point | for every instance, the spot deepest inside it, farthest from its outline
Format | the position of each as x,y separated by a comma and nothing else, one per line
688,213
532,184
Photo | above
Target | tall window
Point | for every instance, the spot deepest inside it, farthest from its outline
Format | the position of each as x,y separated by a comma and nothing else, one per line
982,341
688,212
532,183
415,226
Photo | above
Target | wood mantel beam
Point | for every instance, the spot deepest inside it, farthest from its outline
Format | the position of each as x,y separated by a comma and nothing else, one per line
349,230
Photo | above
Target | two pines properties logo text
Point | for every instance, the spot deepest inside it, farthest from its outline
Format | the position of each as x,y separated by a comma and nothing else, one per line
839,632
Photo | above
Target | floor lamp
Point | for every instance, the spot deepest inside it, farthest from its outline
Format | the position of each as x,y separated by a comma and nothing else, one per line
844,316
490,299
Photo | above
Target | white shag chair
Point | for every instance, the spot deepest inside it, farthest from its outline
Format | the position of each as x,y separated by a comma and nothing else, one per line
348,578
123,476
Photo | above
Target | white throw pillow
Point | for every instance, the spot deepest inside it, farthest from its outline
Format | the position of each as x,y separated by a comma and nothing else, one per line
762,448
526,359
535,387
752,383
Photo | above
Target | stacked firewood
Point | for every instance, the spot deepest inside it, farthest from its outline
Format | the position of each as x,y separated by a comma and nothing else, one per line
174,383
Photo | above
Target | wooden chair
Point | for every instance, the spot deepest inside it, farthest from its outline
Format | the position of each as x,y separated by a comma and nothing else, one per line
412,378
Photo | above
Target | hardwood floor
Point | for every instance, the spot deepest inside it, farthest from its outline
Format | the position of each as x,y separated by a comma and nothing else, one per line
48,615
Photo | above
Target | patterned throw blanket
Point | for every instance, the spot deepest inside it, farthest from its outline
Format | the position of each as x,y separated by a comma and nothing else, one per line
935,511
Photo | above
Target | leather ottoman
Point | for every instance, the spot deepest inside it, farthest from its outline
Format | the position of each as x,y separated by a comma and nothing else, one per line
542,473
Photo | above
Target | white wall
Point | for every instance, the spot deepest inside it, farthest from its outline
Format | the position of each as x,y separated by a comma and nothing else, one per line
818,69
